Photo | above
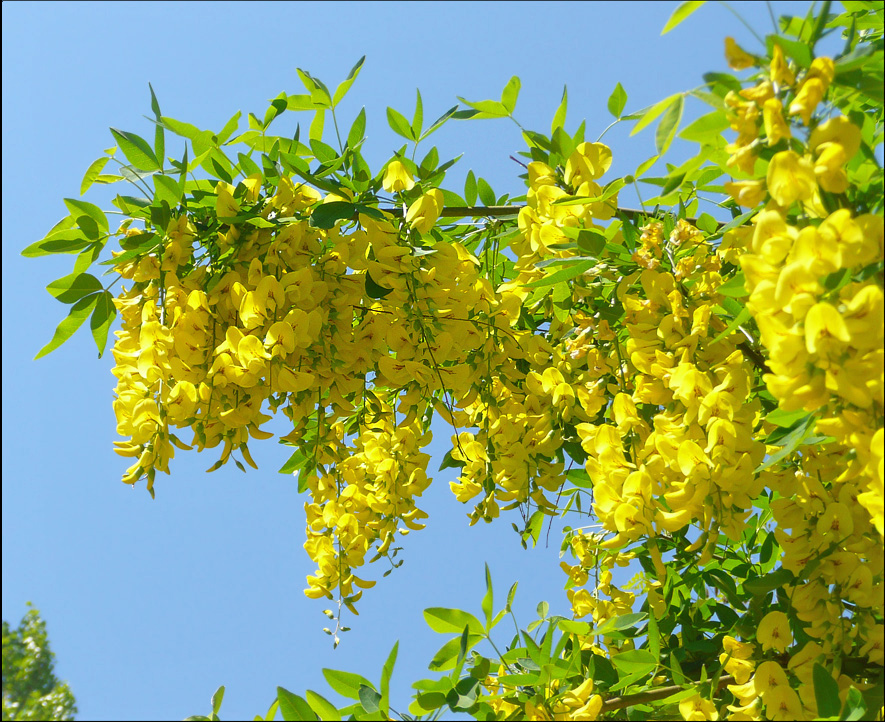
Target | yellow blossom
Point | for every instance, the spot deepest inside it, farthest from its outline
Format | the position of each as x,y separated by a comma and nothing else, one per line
424,212
736,57
774,632
780,71
397,178
748,193
790,178
698,708
776,127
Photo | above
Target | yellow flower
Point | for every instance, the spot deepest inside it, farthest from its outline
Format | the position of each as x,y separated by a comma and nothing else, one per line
822,324
780,71
776,127
824,69
837,130
829,168
397,178
582,603
749,193
697,708
253,186
589,711
225,204
774,632
423,213
790,178
783,704
736,57
587,163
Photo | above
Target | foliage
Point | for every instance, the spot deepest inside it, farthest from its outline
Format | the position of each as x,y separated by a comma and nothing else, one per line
708,392
31,690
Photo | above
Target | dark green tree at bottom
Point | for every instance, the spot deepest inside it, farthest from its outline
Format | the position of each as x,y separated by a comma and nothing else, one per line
31,691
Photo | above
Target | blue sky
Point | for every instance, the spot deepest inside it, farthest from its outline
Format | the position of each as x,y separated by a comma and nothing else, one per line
151,605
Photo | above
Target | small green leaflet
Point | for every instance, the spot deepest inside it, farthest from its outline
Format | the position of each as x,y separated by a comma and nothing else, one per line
681,13
136,150
564,274
67,328
617,100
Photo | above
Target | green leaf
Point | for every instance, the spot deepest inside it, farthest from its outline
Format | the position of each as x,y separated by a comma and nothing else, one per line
439,121
300,102
510,94
669,125
357,130
790,442
579,477
277,105
373,290
681,13
705,128
649,115
463,696
80,208
324,709
676,670
136,150
369,699
635,661
234,123
763,585
159,131
798,51
185,130
326,215
826,692
399,124
418,117
92,172
742,317
617,100
167,190
855,706
488,600
447,655
559,115
102,317
564,274
625,621
470,189
294,462
486,194
779,417
293,707
654,636
64,241
446,621
645,165
386,674
73,287
75,318
315,132
272,710
347,684
487,109
319,93
342,89
511,595
219,693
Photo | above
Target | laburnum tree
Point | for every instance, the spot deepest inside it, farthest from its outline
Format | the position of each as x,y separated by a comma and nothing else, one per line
700,397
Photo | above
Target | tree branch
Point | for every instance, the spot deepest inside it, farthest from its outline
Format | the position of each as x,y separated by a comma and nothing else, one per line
652,695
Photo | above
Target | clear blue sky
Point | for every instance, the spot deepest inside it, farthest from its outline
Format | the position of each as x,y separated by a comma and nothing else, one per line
151,605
